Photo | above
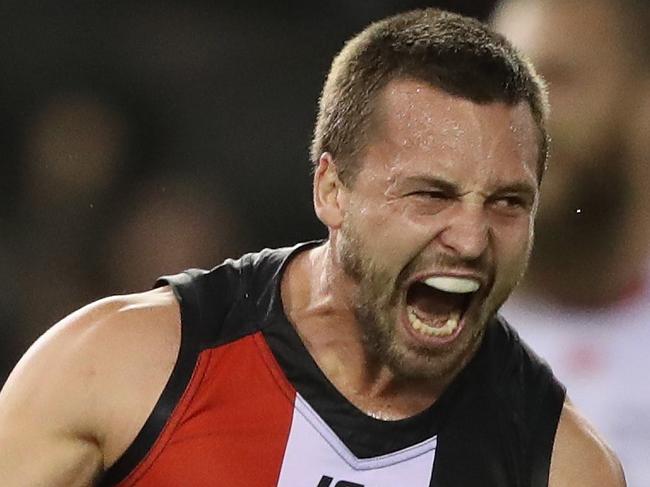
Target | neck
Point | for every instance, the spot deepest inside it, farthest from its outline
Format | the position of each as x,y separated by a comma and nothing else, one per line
319,301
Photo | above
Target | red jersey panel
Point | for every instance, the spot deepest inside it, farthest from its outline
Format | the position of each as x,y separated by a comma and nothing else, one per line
230,426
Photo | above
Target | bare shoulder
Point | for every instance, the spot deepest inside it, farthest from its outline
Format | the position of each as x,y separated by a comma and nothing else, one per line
85,388
581,458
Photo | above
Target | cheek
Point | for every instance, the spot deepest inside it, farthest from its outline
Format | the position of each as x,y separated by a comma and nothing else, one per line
513,244
400,226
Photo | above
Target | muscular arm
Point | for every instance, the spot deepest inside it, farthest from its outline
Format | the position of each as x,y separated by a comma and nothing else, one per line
580,457
82,392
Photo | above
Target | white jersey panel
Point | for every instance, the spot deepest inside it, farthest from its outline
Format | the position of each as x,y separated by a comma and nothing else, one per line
316,457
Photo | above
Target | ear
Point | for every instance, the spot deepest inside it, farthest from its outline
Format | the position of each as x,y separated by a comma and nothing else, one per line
329,197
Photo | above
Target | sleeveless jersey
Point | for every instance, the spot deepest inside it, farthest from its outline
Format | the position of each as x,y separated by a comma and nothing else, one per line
247,406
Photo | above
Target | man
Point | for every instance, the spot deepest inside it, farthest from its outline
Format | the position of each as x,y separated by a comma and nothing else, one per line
585,303
371,359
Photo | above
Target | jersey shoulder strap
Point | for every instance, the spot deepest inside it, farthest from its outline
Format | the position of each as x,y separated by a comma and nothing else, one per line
218,306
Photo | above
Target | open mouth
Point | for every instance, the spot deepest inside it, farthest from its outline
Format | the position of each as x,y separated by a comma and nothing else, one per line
435,306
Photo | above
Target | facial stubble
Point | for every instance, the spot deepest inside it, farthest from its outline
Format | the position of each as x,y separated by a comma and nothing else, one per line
376,309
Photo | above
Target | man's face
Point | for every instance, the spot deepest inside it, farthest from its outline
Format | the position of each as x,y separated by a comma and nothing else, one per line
446,193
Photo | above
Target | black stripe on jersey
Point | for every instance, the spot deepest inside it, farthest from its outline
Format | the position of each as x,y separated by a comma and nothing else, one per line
179,379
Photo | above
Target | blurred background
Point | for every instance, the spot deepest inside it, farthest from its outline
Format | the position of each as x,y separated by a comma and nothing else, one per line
142,138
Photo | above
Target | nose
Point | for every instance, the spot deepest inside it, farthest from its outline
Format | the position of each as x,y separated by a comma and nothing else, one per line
466,233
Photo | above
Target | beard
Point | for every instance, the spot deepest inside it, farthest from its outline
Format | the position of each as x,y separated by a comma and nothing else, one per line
380,292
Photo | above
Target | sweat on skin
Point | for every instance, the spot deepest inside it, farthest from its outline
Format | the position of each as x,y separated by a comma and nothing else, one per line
446,188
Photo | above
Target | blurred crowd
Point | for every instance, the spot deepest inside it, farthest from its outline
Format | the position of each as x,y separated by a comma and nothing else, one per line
142,138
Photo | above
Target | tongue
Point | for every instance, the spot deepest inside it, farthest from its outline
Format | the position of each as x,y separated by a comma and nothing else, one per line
432,305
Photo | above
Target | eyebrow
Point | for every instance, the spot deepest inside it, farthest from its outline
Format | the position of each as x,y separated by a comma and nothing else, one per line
433,182
519,187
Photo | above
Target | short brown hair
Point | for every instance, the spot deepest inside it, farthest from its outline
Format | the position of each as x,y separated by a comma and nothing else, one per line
457,54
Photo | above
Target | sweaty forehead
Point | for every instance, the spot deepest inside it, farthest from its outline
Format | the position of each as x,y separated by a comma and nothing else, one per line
415,117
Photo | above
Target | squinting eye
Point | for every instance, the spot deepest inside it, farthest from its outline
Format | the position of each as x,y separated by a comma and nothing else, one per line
510,202
430,194
429,202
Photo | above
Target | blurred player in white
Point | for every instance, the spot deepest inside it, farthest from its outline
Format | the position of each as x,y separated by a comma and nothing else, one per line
585,303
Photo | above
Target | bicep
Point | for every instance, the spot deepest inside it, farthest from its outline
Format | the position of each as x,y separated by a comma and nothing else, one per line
42,422
67,411
581,458
33,456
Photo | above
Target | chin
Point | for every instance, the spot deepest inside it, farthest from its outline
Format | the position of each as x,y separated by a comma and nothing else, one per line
421,362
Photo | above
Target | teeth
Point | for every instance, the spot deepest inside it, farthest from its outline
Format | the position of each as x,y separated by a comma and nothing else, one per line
457,285
446,330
